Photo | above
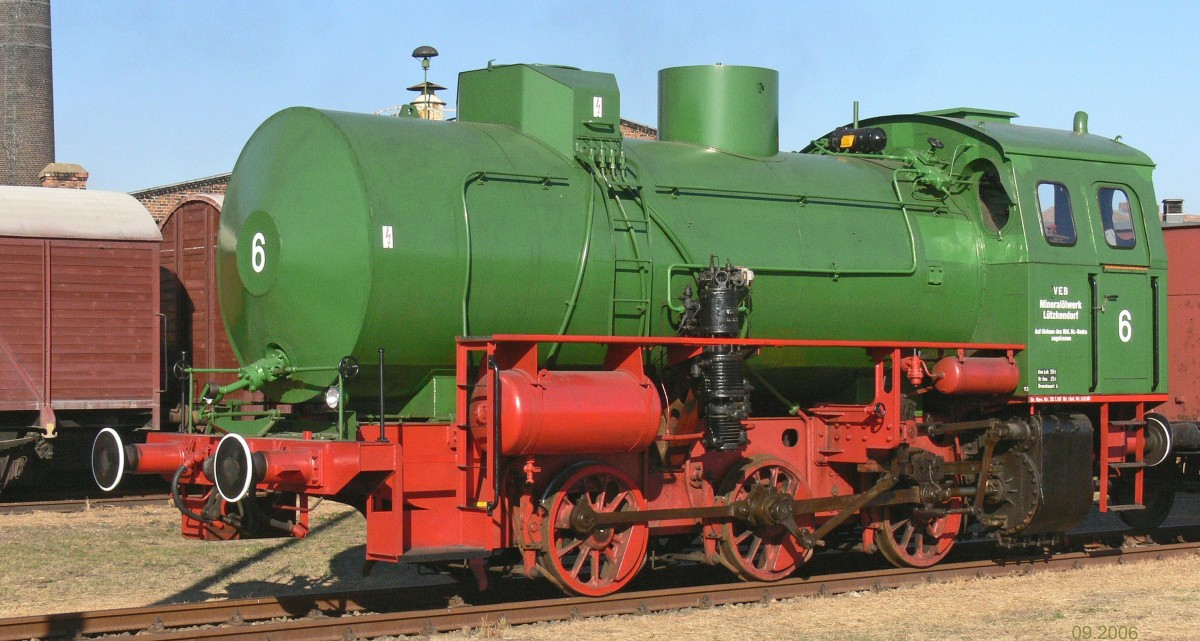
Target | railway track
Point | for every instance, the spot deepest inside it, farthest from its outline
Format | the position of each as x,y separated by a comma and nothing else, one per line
368,614
79,505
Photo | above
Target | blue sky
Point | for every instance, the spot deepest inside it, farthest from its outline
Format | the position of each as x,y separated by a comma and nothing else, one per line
154,92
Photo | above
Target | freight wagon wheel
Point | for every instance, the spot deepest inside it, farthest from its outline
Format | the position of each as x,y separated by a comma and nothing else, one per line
601,560
908,536
1158,495
757,549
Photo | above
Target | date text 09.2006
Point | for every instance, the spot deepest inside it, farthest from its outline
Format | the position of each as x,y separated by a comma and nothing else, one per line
1104,632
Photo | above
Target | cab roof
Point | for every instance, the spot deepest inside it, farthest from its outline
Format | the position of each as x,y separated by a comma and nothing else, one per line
995,127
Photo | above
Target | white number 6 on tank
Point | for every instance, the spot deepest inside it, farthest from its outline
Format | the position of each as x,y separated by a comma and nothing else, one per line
1125,325
258,254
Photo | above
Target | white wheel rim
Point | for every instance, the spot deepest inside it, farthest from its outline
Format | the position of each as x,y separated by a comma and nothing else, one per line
244,450
120,459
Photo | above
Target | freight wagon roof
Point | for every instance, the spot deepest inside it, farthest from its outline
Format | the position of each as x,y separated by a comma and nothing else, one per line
40,212
1029,141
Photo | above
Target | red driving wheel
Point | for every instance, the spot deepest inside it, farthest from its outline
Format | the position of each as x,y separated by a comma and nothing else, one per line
763,552
603,559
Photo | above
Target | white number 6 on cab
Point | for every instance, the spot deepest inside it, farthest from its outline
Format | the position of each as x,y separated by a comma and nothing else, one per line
1125,326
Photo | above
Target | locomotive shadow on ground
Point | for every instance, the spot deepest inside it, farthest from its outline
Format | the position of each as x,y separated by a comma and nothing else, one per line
199,591
68,625
345,571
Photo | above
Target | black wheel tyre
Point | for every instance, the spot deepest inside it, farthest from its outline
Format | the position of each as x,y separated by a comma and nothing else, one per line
1158,497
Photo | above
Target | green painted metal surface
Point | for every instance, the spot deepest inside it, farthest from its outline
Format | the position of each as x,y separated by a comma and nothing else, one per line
727,107
345,233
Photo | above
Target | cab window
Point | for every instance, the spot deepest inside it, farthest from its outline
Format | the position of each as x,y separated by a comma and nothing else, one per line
1054,205
993,199
1117,218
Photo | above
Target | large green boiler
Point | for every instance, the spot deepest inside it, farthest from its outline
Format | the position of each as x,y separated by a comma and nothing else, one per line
346,233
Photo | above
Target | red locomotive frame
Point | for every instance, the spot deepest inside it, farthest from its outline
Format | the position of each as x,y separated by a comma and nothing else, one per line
583,512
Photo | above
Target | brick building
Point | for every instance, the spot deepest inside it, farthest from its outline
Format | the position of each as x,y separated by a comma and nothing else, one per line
162,199
64,175
26,91
631,129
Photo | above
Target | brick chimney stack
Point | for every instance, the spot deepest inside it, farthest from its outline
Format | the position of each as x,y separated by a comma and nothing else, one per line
26,91
65,175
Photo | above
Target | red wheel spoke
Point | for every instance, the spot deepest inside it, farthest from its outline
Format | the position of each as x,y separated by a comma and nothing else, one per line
754,547
579,561
771,557
619,501
610,554
570,547
595,555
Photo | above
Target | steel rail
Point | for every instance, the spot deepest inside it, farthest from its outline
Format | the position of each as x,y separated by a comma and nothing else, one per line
444,619
72,625
79,505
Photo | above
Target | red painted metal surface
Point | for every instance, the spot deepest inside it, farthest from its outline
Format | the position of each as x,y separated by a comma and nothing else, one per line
162,458
558,412
1183,322
976,375
428,488
561,412
439,491
1071,399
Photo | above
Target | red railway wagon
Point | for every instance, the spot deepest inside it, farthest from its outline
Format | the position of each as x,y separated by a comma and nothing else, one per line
1182,408
1183,310
194,329
79,324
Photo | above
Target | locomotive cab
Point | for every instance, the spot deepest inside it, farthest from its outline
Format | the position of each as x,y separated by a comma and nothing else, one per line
1069,243
1074,267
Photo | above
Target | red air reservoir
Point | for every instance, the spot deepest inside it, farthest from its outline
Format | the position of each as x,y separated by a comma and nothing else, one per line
571,412
976,375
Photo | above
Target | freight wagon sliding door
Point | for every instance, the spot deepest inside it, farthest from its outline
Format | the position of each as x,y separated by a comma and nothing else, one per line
104,325
189,294
22,324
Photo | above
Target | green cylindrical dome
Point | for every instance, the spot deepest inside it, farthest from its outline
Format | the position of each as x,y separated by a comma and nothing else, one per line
727,107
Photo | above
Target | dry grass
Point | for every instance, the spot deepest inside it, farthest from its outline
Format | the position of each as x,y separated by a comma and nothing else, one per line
1158,598
123,557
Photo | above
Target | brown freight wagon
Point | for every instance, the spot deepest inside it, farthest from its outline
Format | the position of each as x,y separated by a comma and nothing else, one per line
1183,322
1182,409
194,329
80,341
